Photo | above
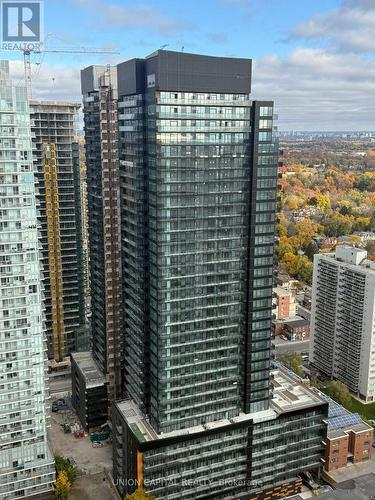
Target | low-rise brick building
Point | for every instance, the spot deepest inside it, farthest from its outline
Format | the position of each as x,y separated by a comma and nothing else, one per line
296,329
284,302
349,439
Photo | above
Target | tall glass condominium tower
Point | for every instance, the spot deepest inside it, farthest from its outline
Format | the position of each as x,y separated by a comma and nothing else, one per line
26,465
198,190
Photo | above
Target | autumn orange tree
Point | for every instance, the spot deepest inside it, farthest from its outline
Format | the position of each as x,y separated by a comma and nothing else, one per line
139,494
298,266
62,486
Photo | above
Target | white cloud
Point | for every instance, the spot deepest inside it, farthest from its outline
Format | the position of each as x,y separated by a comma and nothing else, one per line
318,90
111,16
51,83
349,28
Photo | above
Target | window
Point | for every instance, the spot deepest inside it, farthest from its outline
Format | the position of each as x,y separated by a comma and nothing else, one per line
265,123
265,111
265,136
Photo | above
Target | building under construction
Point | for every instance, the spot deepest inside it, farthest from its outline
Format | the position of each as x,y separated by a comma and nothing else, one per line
60,227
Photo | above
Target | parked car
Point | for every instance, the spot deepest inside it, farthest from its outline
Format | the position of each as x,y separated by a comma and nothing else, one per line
72,462
59,405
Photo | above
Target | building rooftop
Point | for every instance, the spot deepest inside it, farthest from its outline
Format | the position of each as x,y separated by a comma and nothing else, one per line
282,292
351,257
296,322
340,421
289,395
89,369
359,488
55,104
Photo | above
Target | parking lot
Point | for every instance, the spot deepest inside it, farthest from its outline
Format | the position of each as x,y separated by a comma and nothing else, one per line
89,460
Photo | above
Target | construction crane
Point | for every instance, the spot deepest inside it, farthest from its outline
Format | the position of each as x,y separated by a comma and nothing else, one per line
60,50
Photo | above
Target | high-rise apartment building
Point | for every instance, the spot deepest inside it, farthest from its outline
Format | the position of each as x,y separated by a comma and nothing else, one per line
198,231
99,88
26,465
53,127
198,169
342,343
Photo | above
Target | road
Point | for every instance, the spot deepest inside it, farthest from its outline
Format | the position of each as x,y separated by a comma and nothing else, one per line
285,346
57,385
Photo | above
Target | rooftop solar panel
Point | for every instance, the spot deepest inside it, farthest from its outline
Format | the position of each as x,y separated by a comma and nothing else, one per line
344,421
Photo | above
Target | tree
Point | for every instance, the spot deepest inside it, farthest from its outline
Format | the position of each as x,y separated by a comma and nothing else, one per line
284,247
370,247
281,230
345,207
337,225
339,392
323,202
293,362
291,262
306,229
311,249
313,201
62,465
362,224
62,486
298,266
139,494
305,269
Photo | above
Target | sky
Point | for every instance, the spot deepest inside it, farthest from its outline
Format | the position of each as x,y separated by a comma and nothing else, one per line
314,58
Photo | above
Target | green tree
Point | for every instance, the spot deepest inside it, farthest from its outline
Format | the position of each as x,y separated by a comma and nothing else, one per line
339,392
312,201
311,249
337,225
305,269
284,247
62,465
62,486
293,362
281,229
139,494
362,224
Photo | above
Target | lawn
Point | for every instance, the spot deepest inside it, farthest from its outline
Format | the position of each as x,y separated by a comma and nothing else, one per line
366,411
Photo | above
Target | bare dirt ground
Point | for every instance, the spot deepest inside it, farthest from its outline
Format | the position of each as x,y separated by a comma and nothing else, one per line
93,464
89,460
94,487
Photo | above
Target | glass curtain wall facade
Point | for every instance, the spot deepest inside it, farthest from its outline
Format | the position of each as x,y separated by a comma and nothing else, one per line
198,191
26,465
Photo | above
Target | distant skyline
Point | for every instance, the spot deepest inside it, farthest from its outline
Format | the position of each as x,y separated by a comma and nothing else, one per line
316,59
